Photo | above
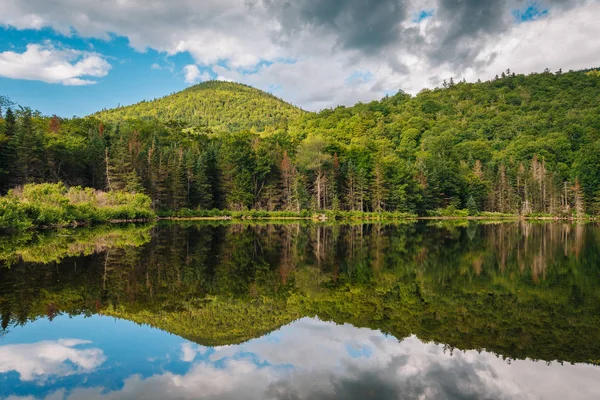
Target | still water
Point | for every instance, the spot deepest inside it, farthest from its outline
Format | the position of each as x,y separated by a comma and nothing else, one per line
421,310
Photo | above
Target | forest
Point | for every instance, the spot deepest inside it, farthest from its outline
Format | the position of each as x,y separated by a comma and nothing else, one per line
518,144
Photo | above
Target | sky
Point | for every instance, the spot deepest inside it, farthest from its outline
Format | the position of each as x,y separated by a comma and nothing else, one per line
75,57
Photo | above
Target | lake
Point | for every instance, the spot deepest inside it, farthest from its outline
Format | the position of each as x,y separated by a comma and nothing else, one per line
300,310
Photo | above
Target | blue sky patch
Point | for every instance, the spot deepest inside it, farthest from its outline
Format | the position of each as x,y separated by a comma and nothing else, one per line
358,77
130,79
530,13
423,15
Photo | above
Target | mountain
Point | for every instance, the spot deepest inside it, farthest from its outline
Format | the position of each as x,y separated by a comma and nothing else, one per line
517,144
220,106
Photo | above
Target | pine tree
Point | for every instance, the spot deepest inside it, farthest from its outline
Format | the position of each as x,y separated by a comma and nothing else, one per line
472,206
28,149
579,202
178,180
379,190
202,184
336,182
351,187
95,156
596,204
362,186
503,191
120,174
8,151
288,178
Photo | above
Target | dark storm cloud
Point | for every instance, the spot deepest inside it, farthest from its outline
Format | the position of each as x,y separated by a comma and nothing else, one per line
361,25
375,27
465,27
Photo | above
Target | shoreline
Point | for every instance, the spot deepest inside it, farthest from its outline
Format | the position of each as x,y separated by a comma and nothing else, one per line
375,219
317,218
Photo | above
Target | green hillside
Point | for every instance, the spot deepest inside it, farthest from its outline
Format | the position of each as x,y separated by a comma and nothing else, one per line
517,144
220,106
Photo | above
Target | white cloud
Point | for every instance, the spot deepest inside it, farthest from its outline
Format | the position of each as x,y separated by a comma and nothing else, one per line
189,351
560,41
476,41
193,74
50,64
42,359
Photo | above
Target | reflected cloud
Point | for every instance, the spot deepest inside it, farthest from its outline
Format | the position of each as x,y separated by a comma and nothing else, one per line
190,350
311,359
56,357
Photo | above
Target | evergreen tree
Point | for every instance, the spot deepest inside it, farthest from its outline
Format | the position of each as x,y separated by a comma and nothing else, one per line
29,149
8,150
379,191
288,181
120,174
472,206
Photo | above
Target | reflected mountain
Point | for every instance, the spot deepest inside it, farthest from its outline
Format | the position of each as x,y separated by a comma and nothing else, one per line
520,289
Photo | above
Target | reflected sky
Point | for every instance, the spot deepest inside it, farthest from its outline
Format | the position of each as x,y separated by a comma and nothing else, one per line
103,358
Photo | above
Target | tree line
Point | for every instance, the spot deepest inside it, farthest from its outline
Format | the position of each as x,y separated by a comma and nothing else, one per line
516,144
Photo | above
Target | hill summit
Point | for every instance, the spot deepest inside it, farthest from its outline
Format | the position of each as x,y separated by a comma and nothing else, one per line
220,106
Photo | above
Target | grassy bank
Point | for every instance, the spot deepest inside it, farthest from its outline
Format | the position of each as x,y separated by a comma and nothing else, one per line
187,214
54,205
439,214
454,213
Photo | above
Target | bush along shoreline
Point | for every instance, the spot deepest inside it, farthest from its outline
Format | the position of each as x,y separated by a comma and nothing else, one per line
54,205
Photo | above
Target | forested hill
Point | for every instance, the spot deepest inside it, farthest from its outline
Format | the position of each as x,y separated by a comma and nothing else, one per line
220,106
517,144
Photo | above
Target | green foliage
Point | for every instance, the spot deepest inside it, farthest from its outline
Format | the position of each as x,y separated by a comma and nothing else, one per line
472,206
520,145
46,247
13,216
212,106
450,211
53,205
304,214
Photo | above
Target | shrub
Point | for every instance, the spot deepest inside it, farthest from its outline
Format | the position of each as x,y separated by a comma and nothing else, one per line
13,216
52,204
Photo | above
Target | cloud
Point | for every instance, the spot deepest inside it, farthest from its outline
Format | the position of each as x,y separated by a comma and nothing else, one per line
189,351
50,64
329,40
313,359
355,24
42,359
193,74
556,41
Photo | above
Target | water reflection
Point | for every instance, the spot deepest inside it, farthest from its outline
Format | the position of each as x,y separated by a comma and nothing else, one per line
310,359
514,291
38,360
